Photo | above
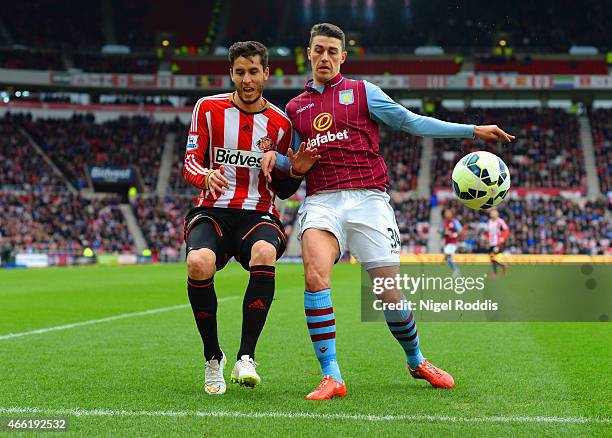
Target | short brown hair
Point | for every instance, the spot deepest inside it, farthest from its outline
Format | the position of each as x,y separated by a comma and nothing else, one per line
248,49
328,30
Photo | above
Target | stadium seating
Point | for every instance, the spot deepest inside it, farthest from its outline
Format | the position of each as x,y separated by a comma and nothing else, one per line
136,142
602,138
541,226
546,154
412,218
161,221
115,63
21,167
402,153
62,222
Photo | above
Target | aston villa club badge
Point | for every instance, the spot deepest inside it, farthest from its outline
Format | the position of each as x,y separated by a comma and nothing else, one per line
346,97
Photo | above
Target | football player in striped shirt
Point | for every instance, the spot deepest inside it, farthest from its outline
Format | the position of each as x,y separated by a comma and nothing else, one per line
497,232
234,215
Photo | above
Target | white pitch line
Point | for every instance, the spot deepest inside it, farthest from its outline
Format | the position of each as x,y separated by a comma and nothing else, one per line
307,415
98,321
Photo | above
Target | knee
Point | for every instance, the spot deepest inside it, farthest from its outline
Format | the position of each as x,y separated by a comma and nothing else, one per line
316,278
263,253
201,264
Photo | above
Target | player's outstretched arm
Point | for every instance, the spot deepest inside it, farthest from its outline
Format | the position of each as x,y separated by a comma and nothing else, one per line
385,110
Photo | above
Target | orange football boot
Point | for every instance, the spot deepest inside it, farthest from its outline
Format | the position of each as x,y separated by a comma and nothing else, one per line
327,389
435,376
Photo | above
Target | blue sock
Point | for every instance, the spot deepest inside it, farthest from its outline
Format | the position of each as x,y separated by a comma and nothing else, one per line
451,263
403,327
322,328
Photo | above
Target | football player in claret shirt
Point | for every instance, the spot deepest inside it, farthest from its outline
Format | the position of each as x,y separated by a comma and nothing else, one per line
450,229
497,233
234,214
347,205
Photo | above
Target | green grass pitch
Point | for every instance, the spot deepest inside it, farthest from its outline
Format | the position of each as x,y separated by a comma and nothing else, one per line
142,374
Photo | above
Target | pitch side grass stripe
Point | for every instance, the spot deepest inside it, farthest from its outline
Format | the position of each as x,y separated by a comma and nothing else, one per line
306,415
101,320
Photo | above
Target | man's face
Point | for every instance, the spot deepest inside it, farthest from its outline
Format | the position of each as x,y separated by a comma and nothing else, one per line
326,56
494,214
448,214
248,75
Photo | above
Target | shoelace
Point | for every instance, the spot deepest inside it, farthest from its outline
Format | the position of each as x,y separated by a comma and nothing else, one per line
213,365
250,364
431,368
323,383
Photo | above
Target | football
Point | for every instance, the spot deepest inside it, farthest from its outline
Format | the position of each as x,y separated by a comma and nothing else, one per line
481,180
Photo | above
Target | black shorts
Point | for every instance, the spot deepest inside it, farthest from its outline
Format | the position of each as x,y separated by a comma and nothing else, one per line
231,232
494,249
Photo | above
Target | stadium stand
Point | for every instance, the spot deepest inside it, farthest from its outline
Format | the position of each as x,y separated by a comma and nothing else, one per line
546,154
601,124
31,60
402,154
542,226
161,221
412,218
21,167
72,143
53,222
115,63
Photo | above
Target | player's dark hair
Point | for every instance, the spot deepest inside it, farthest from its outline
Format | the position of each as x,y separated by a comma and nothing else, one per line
248,49
328,30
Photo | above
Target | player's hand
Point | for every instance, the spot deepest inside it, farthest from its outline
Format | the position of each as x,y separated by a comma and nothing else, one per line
304,159
217,182
267,164
492,132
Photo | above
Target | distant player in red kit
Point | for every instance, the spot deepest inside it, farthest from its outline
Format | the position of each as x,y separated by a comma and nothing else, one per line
235,214
450,229
347,205
497,232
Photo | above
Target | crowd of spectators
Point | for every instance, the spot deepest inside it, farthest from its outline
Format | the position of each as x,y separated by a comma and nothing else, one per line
56,222
74,143
545,154
412,216
402,153
601,124
161,221
21,166
542,226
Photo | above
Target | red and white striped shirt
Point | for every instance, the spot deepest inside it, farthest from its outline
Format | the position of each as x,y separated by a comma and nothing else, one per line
498,231
223,134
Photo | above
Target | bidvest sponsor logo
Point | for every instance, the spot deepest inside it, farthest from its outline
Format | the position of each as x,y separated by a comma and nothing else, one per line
238,158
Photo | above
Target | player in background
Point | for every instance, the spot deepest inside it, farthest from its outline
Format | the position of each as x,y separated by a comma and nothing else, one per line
346,202
497,232
234,214
450,229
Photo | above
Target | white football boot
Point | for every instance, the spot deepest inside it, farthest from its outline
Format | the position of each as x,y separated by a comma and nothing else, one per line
244,372
214,382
